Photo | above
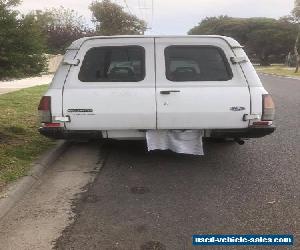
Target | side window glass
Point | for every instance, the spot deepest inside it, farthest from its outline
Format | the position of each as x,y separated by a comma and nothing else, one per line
196,63
113,64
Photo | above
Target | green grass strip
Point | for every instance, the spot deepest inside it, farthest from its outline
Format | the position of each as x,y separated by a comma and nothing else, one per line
20,142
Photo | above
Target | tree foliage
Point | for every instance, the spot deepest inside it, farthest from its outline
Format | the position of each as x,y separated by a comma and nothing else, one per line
21,43
296,10
60,27
111,19
296,19
262,37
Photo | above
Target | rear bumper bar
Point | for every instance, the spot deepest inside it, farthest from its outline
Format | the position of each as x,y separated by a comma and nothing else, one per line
251,132
61,133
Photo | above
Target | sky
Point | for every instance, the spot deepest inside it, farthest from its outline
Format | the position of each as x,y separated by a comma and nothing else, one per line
174,17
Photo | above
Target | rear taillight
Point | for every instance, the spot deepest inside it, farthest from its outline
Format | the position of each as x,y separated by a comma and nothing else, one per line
268,108
45,109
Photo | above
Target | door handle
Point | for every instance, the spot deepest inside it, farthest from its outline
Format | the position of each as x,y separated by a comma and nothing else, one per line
167,92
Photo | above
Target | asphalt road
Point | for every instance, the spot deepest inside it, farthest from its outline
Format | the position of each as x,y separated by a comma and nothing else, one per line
158,200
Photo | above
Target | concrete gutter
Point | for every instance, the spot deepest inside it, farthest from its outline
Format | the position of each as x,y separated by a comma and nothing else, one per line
17,190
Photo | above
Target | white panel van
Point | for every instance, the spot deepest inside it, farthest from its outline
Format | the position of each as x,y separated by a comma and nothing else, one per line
121,86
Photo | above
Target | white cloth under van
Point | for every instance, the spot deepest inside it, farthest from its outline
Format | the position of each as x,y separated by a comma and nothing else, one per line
179,141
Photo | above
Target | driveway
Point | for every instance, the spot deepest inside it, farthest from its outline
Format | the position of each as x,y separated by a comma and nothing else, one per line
13,85
122,197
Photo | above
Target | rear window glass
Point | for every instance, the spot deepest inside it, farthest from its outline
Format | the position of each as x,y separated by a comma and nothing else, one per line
196,63
113,64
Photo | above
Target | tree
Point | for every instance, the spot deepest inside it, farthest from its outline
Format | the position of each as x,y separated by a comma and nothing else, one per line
270,37
111,19
223,25
21,43
296,15
61,27
262,37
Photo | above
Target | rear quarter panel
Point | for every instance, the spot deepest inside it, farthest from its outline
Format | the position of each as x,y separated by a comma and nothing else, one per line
255,85
56,101
256,99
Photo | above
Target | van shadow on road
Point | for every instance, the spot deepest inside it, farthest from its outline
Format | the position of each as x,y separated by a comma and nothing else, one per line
158,200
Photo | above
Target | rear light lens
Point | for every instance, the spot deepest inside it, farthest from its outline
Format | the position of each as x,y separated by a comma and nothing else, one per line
52,125
45,109
268,112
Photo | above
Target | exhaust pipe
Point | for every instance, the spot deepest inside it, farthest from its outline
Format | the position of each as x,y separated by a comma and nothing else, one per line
239,141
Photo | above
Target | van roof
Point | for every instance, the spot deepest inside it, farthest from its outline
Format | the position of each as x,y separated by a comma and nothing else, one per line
230,41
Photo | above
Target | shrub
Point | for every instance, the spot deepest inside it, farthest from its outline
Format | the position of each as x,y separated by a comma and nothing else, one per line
21,43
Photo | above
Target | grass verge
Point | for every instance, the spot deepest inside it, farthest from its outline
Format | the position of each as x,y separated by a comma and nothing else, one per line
279,70
20,143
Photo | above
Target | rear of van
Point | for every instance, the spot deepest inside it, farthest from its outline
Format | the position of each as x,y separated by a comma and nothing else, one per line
120,87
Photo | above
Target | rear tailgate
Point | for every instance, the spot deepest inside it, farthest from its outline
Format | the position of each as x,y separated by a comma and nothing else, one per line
206,90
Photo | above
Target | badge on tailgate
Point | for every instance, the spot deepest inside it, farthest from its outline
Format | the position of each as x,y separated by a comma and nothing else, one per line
237,108
80,110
